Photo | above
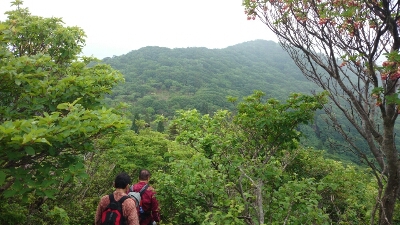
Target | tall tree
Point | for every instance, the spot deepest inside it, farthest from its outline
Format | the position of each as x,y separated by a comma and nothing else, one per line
244,148
50,104
338,44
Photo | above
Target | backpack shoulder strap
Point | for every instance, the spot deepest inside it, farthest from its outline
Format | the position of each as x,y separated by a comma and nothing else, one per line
111,197
120,201
123,199
144,188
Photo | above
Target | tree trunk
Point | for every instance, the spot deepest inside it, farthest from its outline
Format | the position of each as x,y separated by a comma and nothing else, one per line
260,202
391,191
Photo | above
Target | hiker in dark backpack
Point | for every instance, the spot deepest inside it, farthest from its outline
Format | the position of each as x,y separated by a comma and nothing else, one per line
117,208
148,210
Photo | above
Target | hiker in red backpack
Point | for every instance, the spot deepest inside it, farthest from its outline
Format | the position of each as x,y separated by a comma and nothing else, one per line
118,207
150,213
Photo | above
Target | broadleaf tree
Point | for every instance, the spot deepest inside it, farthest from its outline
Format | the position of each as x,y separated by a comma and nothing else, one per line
245,149
51,108
340,45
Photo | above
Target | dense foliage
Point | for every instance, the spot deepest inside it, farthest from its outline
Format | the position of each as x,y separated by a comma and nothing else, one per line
50,110
61,147
162,81
340,46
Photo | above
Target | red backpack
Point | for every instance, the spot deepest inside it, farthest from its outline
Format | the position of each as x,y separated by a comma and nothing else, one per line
113,215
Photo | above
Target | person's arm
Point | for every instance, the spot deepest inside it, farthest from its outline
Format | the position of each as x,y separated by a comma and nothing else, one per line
155,209
100,209
130,212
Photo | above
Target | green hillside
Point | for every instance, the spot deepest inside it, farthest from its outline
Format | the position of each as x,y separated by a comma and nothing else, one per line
161,80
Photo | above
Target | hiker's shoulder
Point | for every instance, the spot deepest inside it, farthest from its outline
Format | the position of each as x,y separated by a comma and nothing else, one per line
105,198
150,188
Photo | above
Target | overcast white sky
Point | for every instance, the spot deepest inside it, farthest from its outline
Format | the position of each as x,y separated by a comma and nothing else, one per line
116,27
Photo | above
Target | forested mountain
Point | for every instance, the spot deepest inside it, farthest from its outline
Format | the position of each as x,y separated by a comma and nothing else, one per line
161,80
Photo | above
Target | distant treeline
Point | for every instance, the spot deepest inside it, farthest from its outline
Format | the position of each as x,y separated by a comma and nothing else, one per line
160,81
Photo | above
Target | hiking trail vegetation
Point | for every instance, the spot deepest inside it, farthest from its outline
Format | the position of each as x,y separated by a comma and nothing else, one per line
225,142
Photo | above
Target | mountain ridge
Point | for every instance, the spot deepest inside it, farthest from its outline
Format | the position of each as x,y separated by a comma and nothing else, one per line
236,70
160,81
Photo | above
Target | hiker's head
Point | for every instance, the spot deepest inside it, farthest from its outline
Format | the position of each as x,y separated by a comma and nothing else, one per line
122,180
144,175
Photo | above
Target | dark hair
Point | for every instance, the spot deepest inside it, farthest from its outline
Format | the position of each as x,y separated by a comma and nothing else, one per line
144,175
122,180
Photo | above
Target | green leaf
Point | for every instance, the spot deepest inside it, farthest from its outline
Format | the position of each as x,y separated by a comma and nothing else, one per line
320,187
50,193
62,106
52,151
2,26
9,193
26,138
73,103
67,177
29,150
25,198
43,140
